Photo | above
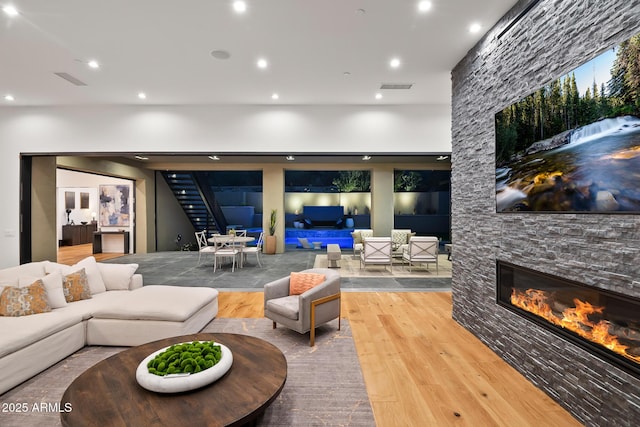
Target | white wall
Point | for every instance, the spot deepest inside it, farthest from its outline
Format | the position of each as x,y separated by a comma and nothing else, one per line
411,129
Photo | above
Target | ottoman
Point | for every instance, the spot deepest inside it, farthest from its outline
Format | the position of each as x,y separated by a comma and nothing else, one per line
152,313
333,254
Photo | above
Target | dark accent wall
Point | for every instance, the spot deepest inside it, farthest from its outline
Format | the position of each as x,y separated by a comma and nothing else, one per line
170,219
551,39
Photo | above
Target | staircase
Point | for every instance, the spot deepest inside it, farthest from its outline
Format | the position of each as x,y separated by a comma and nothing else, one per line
192,191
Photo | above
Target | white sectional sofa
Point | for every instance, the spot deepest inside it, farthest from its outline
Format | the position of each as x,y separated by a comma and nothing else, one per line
119,312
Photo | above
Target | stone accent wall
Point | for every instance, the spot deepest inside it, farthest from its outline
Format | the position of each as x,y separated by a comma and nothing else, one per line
554,37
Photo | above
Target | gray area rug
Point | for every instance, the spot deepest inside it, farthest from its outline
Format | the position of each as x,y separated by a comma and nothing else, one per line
324,384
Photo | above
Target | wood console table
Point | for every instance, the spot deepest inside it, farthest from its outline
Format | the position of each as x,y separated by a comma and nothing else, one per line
97,240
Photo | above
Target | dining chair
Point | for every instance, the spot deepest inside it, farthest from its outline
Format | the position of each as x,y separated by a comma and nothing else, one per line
203,246
225,248
254,249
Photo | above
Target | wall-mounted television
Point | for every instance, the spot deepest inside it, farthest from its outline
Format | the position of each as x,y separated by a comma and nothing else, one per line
574,144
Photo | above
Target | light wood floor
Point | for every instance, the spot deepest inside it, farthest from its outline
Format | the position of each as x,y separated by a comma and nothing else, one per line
71,254
421,368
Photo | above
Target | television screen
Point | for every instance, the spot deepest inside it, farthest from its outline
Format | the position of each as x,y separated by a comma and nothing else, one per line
574,144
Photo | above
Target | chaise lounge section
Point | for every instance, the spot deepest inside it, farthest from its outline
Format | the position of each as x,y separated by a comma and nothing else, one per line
115,310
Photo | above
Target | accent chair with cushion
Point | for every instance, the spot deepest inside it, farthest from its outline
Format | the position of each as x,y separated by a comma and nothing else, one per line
358,236
304,300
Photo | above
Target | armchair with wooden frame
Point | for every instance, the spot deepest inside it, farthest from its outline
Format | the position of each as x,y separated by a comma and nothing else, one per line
303,313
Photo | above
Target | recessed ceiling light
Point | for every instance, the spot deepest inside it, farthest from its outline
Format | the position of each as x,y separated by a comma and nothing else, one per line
290,158
275,96
366,158
239,6
142,95
141,157
214,157
394,63
475,27
424,6
93,64
378,96
9,97
262,63
10,10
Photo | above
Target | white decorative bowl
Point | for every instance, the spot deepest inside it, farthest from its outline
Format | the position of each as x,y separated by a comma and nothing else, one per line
182,382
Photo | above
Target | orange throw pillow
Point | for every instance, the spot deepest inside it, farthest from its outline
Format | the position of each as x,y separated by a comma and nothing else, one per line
302,282
31,299
76,286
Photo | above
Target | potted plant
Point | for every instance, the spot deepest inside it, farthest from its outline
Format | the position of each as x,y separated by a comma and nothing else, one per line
270,239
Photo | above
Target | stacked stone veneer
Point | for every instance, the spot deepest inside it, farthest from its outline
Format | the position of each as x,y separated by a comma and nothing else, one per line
600,250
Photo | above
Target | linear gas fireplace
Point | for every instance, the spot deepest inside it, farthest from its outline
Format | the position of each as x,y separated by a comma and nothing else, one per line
603,322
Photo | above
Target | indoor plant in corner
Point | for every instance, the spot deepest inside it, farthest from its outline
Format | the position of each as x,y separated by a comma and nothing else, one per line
270,240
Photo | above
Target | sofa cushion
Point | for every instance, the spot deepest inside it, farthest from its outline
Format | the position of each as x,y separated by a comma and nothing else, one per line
117,277
299,283
53,284
76,286
94,277
169,303
25,301
356,236
19,332
11,276
286,306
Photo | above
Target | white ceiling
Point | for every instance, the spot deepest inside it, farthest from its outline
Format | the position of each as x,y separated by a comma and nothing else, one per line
163,48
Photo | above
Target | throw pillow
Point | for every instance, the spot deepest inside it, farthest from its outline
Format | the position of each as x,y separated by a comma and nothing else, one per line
53,284
31,299
357,237
96,283
117,276
299,283
76,286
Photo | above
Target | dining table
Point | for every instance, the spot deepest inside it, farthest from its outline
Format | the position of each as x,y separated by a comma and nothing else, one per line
224,238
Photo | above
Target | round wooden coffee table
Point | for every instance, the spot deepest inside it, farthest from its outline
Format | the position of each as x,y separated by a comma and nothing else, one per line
108,394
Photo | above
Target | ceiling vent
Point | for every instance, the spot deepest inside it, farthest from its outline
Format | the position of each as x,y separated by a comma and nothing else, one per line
396,85
68,77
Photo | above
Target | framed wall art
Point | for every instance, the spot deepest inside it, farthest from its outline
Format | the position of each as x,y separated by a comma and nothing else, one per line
115,205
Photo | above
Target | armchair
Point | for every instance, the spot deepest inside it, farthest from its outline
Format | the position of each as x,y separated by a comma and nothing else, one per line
422,250
399,241
358,237
304,312
376,250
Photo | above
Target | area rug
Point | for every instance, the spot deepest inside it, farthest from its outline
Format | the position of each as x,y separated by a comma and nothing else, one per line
350,267
324,384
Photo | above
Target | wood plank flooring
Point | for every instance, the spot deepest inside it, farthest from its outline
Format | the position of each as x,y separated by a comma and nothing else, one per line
71,254
421,368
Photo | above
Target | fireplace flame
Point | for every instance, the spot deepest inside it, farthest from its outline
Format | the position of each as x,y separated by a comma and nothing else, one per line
575,319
